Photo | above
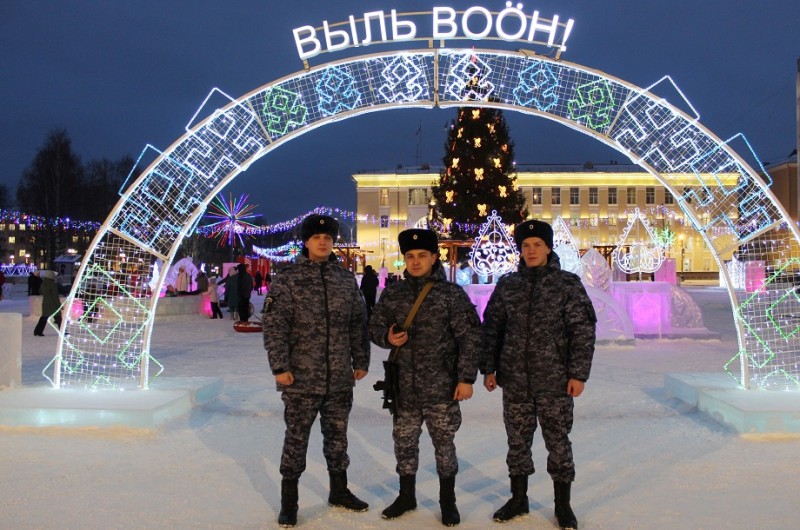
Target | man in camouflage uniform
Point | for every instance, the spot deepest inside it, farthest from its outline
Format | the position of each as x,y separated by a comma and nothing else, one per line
538,344
437,361
315,335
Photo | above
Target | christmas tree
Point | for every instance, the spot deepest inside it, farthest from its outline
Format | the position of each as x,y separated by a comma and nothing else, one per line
478,175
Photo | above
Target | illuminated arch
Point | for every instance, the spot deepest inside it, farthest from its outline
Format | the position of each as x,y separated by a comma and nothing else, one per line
166,201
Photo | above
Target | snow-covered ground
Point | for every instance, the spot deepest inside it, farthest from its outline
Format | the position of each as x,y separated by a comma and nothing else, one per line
644,460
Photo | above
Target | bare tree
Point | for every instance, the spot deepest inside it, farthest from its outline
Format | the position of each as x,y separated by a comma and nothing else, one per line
51,186
103,179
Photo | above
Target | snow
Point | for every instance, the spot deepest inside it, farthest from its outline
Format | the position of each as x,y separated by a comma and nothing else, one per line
644,459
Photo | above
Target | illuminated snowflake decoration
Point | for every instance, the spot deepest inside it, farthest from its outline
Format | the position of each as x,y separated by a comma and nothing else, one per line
493,252
644,254
564,245
231,222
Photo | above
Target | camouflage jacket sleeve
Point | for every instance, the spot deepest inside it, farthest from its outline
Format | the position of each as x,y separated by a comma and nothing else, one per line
465,325
359,340
493,331
380,320
580,320
277,317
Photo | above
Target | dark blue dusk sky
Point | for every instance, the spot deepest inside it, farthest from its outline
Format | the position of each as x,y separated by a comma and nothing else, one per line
120,74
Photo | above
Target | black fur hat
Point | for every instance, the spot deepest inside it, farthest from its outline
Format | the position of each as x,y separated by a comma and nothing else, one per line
533,228
418,239
319,224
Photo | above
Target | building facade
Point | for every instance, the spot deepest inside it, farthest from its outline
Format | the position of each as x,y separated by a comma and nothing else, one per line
595,201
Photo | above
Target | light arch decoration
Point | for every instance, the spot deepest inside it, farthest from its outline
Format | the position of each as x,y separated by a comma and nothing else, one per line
165,203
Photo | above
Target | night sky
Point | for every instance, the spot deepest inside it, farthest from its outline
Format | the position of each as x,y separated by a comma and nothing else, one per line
121,74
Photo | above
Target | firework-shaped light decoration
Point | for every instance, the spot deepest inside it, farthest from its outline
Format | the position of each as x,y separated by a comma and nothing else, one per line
231,219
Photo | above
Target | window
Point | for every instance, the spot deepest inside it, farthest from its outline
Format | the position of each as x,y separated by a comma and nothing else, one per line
574,196
384,221
417,197
593,196
12,240
384,197
631,199
2,226
537,195
668,197
22,227
556,197
612,195
22,253
612,221
650,195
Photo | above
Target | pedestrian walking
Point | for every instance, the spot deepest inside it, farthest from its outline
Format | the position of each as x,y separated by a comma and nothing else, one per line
213,298
51,305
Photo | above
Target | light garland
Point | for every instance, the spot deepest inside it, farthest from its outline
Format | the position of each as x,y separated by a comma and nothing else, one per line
37,222
283,253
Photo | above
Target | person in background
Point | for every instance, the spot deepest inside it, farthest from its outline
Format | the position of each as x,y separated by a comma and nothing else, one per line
258,280
34,283
369,287
316,340
182,282
245,289
202,282
231,297
438,362
538,344
51,305
213,298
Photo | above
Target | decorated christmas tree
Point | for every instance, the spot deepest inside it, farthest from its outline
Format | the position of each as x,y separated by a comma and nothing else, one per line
478,175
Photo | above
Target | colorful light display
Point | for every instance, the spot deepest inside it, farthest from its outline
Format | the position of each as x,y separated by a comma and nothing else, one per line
166,201
231,224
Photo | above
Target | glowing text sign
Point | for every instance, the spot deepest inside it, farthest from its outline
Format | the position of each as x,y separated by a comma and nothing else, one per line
511,24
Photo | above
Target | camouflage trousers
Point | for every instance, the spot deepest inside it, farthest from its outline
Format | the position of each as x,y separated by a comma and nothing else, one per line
300,411
554,414
442,421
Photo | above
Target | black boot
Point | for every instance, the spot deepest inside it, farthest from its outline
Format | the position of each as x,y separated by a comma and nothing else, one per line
447,501
518,503
564,515
288,515
341,496
406,501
